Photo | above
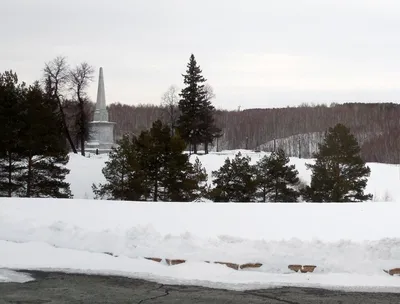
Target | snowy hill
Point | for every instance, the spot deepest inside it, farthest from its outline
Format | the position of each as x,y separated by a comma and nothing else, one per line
384,182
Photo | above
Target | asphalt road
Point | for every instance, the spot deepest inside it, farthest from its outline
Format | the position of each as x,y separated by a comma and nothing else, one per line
57,288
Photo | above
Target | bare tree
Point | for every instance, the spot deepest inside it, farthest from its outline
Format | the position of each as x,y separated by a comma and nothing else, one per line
169,101
56,74
209,92
79,80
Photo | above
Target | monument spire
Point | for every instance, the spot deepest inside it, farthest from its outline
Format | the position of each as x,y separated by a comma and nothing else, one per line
101,113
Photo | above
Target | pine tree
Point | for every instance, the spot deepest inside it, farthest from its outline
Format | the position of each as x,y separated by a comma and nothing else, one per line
196,123
151,166
339,173
209,130
200,175
153,147
43,148
235,181
166,167
277,181
11,110
125,179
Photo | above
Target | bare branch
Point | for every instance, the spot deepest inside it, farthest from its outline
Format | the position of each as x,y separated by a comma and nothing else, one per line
56,77
57,71
209,92
80,78
169,101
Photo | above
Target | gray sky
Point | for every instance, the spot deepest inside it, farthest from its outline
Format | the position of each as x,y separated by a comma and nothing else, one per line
254,53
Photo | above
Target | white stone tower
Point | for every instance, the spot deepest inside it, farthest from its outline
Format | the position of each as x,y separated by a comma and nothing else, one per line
101,131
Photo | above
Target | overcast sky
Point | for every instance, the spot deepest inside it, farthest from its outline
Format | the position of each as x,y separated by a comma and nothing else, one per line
254,53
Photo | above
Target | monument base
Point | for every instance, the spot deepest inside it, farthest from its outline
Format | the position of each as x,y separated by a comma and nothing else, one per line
101,135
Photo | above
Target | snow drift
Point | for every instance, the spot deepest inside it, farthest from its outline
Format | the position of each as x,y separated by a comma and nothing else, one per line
349,243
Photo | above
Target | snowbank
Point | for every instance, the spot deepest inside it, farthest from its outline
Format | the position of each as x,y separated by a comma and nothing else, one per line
383,183
7,275
349,243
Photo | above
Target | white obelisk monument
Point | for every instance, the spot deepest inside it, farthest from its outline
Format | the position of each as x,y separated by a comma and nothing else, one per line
101,131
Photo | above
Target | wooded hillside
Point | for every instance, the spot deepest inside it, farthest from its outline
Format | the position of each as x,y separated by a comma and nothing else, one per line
376,126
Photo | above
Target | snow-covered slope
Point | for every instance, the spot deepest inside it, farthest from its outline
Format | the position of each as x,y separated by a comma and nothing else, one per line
306,144
384,182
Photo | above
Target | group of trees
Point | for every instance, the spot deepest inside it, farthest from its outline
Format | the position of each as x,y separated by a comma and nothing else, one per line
270,180
152,166
39,125
338,175
297,130
74,108
33,151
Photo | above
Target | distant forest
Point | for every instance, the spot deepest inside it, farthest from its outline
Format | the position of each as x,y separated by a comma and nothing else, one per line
297,130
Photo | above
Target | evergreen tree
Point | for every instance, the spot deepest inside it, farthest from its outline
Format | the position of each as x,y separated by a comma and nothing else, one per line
167,168
277,181
153,148
125,179
151,166
235,181
209,130
196,123
44,150
200,175
339,173
32,146
11,110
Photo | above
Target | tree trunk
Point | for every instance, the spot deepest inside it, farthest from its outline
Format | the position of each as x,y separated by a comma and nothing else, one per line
82,124
194,148
264,195
82,146
67,134
29,179
9,174
206,148
155,191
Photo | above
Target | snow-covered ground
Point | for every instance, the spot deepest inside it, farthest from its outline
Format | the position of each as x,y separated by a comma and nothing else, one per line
384,182
349,243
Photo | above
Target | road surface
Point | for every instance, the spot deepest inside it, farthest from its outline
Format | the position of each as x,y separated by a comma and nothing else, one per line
56,287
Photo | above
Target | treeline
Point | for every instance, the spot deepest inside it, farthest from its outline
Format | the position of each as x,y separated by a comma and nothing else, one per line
152,166
375,125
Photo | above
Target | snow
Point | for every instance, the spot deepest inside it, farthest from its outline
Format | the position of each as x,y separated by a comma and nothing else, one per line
7,275
84,171
350,243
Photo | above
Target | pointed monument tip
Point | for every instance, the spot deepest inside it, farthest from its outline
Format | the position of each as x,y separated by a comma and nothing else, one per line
101,70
